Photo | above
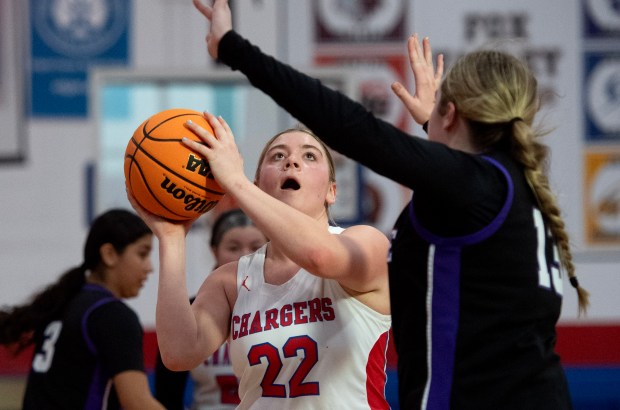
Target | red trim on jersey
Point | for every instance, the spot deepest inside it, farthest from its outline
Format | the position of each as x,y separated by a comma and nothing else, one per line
375,374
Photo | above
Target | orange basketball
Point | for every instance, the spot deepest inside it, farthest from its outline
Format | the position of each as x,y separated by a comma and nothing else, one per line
164,176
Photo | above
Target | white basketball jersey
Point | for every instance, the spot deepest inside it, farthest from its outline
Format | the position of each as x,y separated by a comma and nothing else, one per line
215,384
306,344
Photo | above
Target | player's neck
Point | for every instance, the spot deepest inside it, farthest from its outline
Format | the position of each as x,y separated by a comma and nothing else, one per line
278,268
95,280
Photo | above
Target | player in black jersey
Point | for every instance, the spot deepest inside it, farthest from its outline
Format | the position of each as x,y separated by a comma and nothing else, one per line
87,342
477,255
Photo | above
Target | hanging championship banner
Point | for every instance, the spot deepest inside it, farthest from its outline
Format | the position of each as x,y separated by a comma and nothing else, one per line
67,38
602,88
602,196
601,25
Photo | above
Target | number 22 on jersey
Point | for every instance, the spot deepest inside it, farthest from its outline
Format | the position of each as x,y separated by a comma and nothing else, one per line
298,386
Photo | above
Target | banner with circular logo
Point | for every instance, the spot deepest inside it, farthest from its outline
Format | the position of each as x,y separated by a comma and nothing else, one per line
67,38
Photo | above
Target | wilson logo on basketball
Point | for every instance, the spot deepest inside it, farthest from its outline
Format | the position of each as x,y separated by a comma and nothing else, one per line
155,150
196,164
192,203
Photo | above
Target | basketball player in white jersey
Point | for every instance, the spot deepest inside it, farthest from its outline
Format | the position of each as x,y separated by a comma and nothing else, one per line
308,314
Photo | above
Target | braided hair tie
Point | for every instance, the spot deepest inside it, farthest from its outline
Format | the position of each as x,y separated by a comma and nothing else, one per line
513,120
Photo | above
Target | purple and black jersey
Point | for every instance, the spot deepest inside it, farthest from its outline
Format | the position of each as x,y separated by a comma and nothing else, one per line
76,355
477,312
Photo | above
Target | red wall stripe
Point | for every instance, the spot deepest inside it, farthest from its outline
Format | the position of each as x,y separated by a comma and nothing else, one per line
589,345
14,365
596,345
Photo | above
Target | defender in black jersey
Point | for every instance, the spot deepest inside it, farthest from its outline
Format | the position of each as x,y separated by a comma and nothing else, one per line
87,341
476,257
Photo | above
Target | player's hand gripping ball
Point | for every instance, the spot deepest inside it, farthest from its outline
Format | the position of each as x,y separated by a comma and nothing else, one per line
163,175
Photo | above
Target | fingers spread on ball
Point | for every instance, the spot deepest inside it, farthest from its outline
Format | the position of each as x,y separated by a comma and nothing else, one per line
218,124
199,131
169,179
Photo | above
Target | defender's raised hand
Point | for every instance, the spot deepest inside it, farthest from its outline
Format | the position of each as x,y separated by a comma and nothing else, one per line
220,20
426,79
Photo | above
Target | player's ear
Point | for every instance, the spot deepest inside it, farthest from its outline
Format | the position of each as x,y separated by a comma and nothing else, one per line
450,117
331,194
108,254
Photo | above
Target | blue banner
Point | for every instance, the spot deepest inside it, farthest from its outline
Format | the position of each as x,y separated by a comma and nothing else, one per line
68,37
601,56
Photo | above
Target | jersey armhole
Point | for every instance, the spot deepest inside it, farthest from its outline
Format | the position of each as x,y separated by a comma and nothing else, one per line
84,325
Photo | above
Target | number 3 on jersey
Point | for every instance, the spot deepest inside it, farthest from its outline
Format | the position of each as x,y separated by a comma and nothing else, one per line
548,272
297,384
43,360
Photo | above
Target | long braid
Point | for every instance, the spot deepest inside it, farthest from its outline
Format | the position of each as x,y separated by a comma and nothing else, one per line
533,156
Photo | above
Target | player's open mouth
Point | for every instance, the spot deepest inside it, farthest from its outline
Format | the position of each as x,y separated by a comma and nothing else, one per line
290,183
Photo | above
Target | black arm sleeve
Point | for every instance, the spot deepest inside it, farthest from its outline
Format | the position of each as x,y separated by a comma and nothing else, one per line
350,129
169,385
